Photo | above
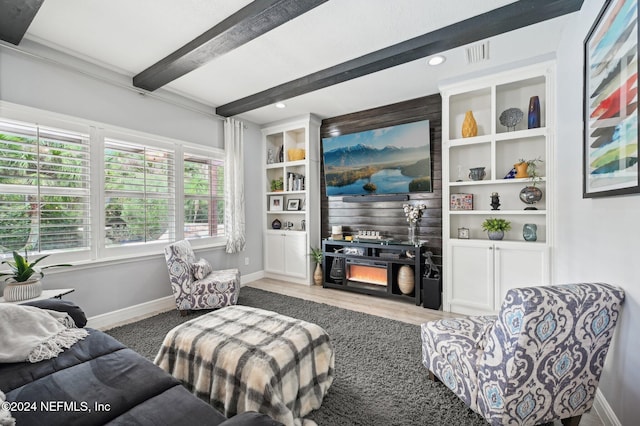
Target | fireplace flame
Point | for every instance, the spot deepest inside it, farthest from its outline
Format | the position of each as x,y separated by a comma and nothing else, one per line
367,274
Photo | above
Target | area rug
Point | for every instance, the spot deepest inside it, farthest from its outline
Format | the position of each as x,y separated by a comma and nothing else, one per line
379,377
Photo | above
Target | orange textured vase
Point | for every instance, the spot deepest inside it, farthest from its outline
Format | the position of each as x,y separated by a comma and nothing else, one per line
469,126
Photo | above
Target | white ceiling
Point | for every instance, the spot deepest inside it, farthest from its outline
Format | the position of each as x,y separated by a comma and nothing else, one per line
130,35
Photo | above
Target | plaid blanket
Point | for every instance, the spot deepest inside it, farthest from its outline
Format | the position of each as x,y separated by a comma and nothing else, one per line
242,359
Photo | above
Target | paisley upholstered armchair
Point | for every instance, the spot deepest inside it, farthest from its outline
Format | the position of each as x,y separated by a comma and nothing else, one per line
195,284
538,361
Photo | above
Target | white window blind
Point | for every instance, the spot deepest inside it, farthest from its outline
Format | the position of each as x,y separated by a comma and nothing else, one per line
203,196
139,194
44,189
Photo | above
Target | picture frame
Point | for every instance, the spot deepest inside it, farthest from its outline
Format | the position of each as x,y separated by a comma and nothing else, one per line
275,203
293,204
461,202
610,115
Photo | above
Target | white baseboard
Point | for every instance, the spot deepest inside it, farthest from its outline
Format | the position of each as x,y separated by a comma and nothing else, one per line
246,279
132,313
147,309
603,410
287,278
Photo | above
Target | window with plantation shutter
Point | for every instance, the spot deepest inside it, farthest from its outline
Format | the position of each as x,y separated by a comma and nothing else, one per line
44,189
203,196
139,194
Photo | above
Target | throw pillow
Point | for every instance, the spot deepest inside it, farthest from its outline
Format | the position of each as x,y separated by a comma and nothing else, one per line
201,269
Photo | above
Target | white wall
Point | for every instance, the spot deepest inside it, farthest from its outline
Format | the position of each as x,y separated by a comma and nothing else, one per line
55,87
597,239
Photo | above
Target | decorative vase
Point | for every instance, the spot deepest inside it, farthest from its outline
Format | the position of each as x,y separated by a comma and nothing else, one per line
406,279
495,235
530,232
477,173
534,112
522,170
17,291
317,275
469,126
530,195
412,234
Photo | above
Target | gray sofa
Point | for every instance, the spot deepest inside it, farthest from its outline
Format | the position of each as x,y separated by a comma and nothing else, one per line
99,381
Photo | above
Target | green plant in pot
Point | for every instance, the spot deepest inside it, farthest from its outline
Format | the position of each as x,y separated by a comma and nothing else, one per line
23,282
495,227
277,184
317,256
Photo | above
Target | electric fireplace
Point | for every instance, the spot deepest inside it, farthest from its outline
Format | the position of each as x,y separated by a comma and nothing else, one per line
367,271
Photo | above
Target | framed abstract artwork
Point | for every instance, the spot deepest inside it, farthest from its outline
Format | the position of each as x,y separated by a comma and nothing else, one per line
610,151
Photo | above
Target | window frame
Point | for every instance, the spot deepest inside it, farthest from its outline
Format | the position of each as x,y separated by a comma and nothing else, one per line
40,190
98,253
213,154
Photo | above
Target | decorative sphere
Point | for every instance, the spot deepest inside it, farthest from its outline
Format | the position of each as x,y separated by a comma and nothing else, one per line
530,194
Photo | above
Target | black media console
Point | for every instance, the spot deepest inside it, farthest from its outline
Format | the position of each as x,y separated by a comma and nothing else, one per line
387,269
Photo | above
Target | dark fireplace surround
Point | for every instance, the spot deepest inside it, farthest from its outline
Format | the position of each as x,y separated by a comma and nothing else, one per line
380,213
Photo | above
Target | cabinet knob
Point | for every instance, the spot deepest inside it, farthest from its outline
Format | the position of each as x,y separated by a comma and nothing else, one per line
490,248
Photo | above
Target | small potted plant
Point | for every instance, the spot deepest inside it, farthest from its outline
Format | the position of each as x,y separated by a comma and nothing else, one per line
495,227
23,281
317,255
277,185
530,171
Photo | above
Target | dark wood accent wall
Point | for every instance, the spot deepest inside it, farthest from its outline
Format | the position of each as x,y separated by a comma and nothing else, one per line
387,216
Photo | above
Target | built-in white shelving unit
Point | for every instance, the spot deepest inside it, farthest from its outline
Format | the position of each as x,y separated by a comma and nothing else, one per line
479,271
296,206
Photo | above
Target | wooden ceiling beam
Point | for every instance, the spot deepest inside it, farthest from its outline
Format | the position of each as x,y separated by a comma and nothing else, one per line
15,18
498,21
250,22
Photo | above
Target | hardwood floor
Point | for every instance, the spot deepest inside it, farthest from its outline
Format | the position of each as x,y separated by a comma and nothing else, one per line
378,306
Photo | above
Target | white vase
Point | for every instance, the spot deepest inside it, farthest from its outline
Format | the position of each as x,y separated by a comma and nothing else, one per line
406,279
17,291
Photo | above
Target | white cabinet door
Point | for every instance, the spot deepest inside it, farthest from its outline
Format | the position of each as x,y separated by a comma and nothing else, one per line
470,278
295,254
286,253
521,265
274,253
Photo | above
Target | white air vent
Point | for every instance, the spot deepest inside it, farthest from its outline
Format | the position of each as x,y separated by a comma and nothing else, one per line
478,52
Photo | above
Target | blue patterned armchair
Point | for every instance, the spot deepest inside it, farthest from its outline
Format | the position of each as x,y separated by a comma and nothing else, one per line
538,361
195,284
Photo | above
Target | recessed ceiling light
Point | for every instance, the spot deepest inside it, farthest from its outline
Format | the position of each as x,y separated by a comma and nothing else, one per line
280,105
436,60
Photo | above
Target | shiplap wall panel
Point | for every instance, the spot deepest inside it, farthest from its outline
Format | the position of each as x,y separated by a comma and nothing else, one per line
387,216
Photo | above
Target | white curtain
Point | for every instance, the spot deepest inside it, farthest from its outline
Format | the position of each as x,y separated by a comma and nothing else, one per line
234,226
